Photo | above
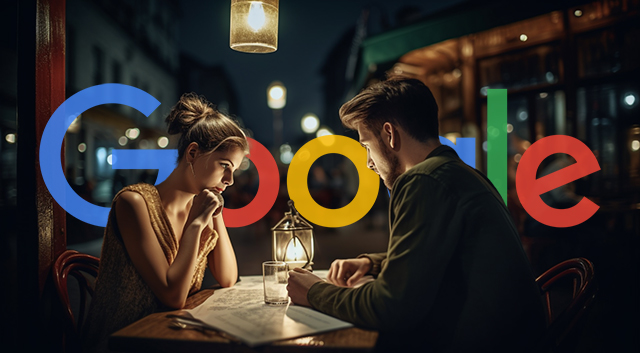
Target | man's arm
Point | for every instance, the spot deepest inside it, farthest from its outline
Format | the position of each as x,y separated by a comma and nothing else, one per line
424,235
377,262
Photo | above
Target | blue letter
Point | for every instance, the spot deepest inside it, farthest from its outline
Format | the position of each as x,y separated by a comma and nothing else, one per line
50,163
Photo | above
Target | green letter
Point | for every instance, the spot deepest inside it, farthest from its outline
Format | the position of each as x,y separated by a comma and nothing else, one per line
497,139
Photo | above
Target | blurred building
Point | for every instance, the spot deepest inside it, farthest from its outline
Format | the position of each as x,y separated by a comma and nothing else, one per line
132,43
570,68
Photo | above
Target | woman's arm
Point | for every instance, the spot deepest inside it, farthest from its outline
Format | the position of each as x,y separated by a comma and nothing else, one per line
222,260
170,284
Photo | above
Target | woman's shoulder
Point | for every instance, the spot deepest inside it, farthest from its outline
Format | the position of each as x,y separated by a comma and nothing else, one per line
136,195
142,189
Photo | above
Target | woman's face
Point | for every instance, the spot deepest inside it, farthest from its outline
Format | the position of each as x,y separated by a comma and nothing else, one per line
214,171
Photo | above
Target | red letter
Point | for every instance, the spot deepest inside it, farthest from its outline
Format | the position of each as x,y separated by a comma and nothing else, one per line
529,188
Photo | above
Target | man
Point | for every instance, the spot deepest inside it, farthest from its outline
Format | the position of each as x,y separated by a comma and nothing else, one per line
455,277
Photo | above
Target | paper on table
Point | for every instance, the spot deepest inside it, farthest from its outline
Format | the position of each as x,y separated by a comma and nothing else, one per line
364,279
241,312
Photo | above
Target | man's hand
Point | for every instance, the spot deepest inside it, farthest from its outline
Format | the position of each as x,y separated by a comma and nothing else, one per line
346,273
300,281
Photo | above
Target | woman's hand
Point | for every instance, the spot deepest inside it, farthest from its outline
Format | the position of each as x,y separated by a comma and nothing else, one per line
218,210
346,273
205,205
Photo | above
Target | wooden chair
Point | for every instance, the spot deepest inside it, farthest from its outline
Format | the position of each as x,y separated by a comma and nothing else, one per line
568,289
84,268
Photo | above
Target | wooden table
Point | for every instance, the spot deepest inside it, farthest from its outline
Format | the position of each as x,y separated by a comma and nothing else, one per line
152,333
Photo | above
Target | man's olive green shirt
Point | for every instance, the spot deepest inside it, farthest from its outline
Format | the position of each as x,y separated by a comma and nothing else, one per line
454,277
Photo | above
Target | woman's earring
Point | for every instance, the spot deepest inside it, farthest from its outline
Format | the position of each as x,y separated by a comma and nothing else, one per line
192,171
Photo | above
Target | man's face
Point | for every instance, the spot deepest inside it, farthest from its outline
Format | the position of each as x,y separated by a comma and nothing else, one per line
380,158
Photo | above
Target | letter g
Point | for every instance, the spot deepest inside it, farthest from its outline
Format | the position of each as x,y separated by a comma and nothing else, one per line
50,163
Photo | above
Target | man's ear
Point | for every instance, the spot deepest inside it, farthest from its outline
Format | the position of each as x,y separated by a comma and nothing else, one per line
390,133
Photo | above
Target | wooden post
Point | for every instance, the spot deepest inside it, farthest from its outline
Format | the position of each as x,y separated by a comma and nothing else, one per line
41,231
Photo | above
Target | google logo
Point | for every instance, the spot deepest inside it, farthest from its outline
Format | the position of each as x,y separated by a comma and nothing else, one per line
528,187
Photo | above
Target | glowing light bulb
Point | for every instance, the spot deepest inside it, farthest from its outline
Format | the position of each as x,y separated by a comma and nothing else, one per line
310,123
163,142
630,99
276,92
256,18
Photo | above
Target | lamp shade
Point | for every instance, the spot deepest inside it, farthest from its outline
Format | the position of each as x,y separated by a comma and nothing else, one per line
254,26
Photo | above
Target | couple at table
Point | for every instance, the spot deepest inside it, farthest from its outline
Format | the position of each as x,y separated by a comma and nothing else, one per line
454,277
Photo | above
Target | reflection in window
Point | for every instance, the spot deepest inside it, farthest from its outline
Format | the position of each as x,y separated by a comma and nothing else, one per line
536,66
598,109
609,51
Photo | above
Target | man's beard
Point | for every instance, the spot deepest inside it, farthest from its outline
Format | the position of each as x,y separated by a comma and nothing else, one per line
393,168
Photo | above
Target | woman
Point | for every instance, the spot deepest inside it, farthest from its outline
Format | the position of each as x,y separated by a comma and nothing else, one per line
159,239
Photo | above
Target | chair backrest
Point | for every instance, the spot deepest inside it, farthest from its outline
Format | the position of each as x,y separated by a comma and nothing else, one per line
84,268
568,289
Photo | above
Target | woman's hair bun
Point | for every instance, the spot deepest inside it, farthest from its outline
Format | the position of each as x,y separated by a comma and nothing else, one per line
188,111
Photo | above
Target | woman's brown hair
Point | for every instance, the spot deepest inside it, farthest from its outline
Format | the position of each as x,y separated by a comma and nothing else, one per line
199,121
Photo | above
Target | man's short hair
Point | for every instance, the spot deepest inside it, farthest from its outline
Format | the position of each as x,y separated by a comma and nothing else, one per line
407,103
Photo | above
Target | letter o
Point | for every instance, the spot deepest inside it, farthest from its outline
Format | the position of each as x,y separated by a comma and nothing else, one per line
268,188
299,192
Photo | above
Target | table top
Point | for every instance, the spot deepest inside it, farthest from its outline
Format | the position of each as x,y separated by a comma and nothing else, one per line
152,333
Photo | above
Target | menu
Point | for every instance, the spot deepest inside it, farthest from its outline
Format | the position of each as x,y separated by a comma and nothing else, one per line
240,311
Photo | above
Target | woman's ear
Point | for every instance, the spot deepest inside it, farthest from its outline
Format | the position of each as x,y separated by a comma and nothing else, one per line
192,152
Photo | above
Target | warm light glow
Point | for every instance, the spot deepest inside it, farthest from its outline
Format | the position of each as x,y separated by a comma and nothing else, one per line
75,125
254,26
163,142
276,92
517,157
276,95
509,128
310,123
452,136
132,133
82,147
577,13
295,251
11,138
122,140
325,131
544,95
256,18
630,99
523,37
635,145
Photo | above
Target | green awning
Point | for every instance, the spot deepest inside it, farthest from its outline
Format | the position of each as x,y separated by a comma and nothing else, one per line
460,20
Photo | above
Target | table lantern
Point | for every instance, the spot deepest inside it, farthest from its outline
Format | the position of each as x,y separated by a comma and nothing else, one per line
293,240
